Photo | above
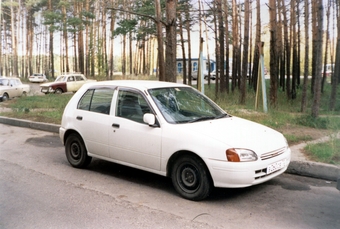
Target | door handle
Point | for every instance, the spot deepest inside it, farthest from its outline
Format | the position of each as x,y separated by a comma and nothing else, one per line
115,125
79,118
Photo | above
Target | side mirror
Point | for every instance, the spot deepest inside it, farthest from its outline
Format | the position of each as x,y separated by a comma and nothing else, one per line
150,119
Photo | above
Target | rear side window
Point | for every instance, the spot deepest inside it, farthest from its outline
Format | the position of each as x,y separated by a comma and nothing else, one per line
97,100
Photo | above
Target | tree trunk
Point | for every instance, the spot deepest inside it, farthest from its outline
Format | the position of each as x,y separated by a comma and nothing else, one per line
14,43
245,53
295,51
235,46
336,73
188,29
325,62
184,67
287,48
171,41
161,62
51,43
221,45
255,71
305,76
226,24
273,54
318,52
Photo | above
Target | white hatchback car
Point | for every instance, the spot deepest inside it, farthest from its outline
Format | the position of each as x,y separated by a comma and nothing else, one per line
172,130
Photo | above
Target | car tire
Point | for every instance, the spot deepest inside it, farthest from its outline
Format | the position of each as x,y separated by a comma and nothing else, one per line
58,91
191,178
76,152
5,97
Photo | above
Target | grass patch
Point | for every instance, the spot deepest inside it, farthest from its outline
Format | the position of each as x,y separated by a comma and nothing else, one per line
293,139
327,152
47,108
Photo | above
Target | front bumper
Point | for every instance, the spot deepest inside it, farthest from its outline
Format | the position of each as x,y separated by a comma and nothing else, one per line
243,174
47,90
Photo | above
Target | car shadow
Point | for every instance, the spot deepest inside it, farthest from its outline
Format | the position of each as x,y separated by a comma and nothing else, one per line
160,182
131,174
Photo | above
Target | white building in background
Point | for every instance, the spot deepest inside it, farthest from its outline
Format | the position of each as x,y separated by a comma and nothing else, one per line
194,66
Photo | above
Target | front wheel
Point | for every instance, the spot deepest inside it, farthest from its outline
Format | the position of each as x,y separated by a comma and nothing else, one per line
191,178
5,97
76,152
58,91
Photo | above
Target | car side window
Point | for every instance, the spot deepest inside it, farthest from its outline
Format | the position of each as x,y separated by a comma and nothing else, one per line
97,100
13,83
79,78
131,105
70,79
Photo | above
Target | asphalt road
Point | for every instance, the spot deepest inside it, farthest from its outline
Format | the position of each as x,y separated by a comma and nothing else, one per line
39,189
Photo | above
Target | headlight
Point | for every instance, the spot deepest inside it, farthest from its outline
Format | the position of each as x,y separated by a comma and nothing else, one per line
240,155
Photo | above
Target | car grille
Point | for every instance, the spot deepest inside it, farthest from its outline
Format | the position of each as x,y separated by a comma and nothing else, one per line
263,173
274,153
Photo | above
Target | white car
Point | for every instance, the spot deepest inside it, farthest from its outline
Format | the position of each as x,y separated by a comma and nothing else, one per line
172,130
11,87
68,82
37,78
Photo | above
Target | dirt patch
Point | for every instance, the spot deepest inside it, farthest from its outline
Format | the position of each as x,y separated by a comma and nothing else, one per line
303,133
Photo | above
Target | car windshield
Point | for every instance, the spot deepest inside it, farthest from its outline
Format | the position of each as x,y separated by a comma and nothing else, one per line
185,105
61,79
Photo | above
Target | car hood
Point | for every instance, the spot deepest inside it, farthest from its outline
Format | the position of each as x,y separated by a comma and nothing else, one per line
240,133
50,84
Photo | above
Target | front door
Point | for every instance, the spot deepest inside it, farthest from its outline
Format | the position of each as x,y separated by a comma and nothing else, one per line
131,141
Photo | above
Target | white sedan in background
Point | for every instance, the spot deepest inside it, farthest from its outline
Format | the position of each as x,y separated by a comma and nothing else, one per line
37,78
171,130
11,87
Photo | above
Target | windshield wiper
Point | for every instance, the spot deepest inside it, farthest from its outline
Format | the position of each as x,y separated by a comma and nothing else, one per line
202,119
222,116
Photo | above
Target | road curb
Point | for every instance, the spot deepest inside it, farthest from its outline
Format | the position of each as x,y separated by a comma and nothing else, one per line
314,169
302,168
30,124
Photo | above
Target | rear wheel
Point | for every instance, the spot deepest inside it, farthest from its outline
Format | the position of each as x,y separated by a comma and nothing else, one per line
76,152
191,178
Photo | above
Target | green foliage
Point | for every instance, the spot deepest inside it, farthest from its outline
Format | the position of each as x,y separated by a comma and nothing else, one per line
125,26
327,152
52,20
48,108
308,120
74,24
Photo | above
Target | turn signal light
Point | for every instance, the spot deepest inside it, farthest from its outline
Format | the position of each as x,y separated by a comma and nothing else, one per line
232,155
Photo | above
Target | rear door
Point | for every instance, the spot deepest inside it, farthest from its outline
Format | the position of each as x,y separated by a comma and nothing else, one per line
93,119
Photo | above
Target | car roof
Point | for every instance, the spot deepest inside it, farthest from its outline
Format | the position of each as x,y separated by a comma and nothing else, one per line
139,84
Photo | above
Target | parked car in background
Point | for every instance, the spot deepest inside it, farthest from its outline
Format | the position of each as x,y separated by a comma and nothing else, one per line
37,78
11,87
69,82
329,70
172,130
